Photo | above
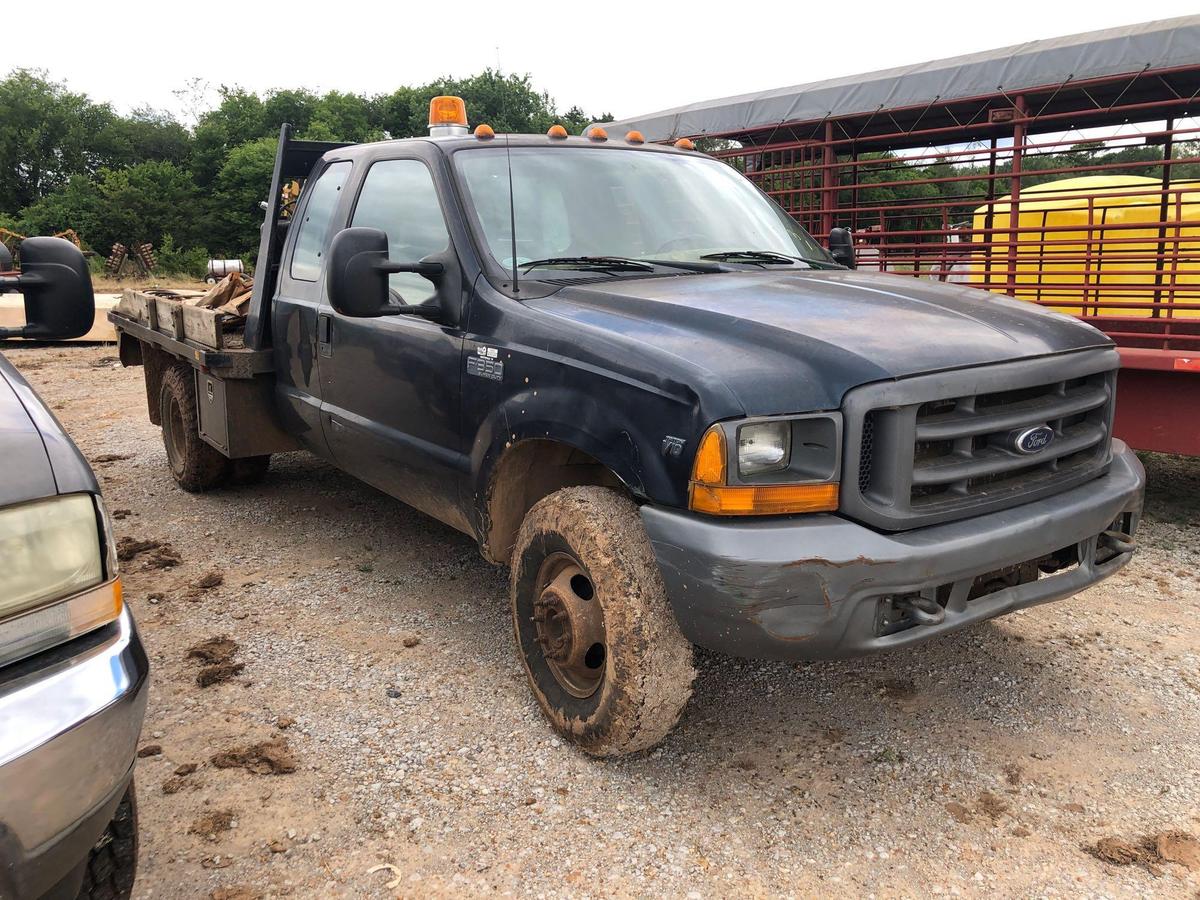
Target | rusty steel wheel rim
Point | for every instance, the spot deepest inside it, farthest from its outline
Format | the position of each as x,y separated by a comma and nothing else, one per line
569,624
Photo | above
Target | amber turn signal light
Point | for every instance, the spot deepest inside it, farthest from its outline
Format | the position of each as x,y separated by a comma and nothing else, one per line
708,492
709,467
762,500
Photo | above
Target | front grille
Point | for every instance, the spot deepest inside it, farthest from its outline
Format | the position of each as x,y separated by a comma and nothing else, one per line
939,447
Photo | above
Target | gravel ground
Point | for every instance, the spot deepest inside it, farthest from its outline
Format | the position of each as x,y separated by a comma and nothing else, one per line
376,643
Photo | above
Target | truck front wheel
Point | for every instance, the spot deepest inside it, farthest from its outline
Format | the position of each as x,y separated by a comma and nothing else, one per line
194,464
112,862
600,645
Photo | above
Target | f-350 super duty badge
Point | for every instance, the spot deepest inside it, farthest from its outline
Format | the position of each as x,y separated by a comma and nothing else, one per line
484,364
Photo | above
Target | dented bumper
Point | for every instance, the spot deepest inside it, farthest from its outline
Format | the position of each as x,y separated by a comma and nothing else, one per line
820,586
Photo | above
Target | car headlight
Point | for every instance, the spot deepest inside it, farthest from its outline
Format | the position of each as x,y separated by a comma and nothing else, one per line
782,465
59,573
763,447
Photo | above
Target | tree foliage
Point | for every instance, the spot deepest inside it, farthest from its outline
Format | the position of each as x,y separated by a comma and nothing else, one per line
69,162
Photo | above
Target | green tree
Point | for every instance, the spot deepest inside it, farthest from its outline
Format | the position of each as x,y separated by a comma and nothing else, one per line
45,136
235,215
143,136
131,205
342,117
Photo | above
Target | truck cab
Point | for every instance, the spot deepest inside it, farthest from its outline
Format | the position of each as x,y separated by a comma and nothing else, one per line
676,417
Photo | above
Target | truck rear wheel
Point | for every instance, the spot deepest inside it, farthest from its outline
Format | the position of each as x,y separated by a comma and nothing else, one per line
596,634
112,862
194,464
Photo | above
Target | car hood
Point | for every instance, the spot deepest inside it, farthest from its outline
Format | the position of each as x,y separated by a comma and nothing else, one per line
40,460
797,340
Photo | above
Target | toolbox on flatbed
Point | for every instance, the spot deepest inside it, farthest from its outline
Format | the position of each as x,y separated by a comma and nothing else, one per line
234,385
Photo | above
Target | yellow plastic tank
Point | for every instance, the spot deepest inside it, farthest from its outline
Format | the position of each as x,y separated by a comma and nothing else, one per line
1094,240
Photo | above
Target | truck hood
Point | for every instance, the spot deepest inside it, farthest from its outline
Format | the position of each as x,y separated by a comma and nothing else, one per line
40,460
797,340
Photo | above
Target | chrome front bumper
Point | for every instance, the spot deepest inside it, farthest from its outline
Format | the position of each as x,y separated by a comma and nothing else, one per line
69,725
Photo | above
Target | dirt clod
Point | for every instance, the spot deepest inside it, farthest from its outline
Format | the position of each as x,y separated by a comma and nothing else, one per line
1178,847
214,650
211,825
186,768
129,548
266,758
149,750
218,673
165,557
108,458
990,805
236,892
411,640
284,722
209,580
173,785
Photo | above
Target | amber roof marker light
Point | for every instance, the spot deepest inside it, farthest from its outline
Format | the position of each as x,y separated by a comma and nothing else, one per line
484,132
597,134
685,144
634,137
556,133
447,116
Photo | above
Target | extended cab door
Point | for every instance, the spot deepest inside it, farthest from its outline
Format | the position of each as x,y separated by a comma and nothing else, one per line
294,310
390,385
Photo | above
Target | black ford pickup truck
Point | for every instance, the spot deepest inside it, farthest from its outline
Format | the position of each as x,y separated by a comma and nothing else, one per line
640,384
73,674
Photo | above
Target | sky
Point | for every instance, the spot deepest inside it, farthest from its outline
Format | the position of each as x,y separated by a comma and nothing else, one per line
619,57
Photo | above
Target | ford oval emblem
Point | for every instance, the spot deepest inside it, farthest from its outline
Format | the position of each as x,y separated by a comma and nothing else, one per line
1033,440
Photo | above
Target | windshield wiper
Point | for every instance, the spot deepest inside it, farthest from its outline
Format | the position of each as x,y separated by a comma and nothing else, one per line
609,263
769,257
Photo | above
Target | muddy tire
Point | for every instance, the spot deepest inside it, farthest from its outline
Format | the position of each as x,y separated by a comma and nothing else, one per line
250,469
194,464
595,632
112,862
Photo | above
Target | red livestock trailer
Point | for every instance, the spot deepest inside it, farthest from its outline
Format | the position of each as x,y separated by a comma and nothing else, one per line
1065,172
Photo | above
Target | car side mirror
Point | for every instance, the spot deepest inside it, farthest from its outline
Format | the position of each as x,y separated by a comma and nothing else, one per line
841,247
56,284
358,273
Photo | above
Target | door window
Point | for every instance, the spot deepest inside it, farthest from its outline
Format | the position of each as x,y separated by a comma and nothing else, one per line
318,215
398,198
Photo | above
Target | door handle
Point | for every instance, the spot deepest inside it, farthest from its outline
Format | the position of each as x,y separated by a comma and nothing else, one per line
324,334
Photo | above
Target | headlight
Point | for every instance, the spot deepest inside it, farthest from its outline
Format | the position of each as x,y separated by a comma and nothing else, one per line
763,447
54,574
783,465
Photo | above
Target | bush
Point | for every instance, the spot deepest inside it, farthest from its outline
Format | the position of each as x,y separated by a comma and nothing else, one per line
172,260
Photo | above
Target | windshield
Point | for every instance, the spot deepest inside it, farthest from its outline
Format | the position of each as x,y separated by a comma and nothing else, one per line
575,202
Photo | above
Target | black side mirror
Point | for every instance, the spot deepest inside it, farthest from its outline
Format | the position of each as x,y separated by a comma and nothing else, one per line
358,274
841,247
57,286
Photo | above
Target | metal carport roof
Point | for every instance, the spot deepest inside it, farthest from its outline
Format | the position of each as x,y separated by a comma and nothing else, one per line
1114,51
